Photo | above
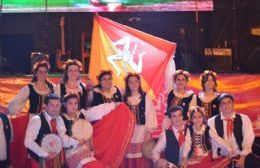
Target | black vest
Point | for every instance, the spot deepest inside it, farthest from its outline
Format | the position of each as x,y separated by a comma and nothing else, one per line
98,98
211,108
69,123
183,102
206,144
237,130
83,95
7,132
44,130
140,113
36,100
172,149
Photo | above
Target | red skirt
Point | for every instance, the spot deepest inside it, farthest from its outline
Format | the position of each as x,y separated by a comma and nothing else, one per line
137,163
95,164
207,162
112,134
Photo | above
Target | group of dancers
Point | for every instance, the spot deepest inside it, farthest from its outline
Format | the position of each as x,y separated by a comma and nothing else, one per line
198,130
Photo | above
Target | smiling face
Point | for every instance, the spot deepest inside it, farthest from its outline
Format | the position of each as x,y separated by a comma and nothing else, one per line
181,82
72,105
197,119
41,73
134,84
176,118
106,82
227,106
53,107
209,83
73,72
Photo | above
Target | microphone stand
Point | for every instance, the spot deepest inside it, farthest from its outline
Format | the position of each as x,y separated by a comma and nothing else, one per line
46,24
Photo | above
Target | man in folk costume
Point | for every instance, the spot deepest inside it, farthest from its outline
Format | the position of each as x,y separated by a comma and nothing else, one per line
47,122
171,141
237,132
6,136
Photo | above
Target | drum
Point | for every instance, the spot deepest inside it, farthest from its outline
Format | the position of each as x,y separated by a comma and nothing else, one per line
82,130
52,143
77,157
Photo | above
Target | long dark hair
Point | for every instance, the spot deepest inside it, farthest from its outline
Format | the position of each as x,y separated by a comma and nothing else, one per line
66,67
204,79
127,89
199,110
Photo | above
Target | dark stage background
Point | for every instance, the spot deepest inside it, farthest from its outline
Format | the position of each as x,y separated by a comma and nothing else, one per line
227,26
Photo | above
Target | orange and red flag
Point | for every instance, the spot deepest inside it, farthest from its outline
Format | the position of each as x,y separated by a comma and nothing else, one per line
123,49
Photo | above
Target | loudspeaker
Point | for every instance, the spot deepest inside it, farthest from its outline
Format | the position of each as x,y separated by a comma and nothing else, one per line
219,63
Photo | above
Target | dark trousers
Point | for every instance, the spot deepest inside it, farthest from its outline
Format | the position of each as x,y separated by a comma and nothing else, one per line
3,163
251,162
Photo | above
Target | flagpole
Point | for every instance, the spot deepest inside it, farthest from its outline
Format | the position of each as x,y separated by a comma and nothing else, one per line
197,30
1,56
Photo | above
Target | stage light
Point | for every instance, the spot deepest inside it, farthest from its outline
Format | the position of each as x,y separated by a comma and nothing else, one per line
113,6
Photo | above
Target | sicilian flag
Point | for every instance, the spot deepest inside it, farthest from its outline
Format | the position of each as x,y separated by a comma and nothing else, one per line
123,49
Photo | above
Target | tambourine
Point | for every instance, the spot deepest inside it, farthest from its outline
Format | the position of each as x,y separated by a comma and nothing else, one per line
82,130
52,143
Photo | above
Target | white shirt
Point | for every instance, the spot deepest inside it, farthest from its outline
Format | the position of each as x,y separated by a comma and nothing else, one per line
98,112
33,129
230,142
3,148
161,145
57,89
150,122
17,104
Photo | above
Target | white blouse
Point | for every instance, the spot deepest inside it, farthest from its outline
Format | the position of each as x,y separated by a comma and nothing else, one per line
17,104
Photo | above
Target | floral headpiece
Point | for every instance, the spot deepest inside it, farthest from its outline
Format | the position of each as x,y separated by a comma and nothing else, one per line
103,72
208,72
181,72
72,62
70,95
132,74
41,63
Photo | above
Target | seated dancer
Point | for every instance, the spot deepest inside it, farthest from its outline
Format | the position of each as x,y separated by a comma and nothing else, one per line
208,97
197,148
34,91
180,96
144,112
71,82
46,123
171,140
236,131
116,127
6,134
83,154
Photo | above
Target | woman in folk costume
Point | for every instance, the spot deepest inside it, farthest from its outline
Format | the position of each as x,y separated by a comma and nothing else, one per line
75,120
34,91
111,134
143,110
197,147
180,95
71,82
208,97
6,134
105,91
